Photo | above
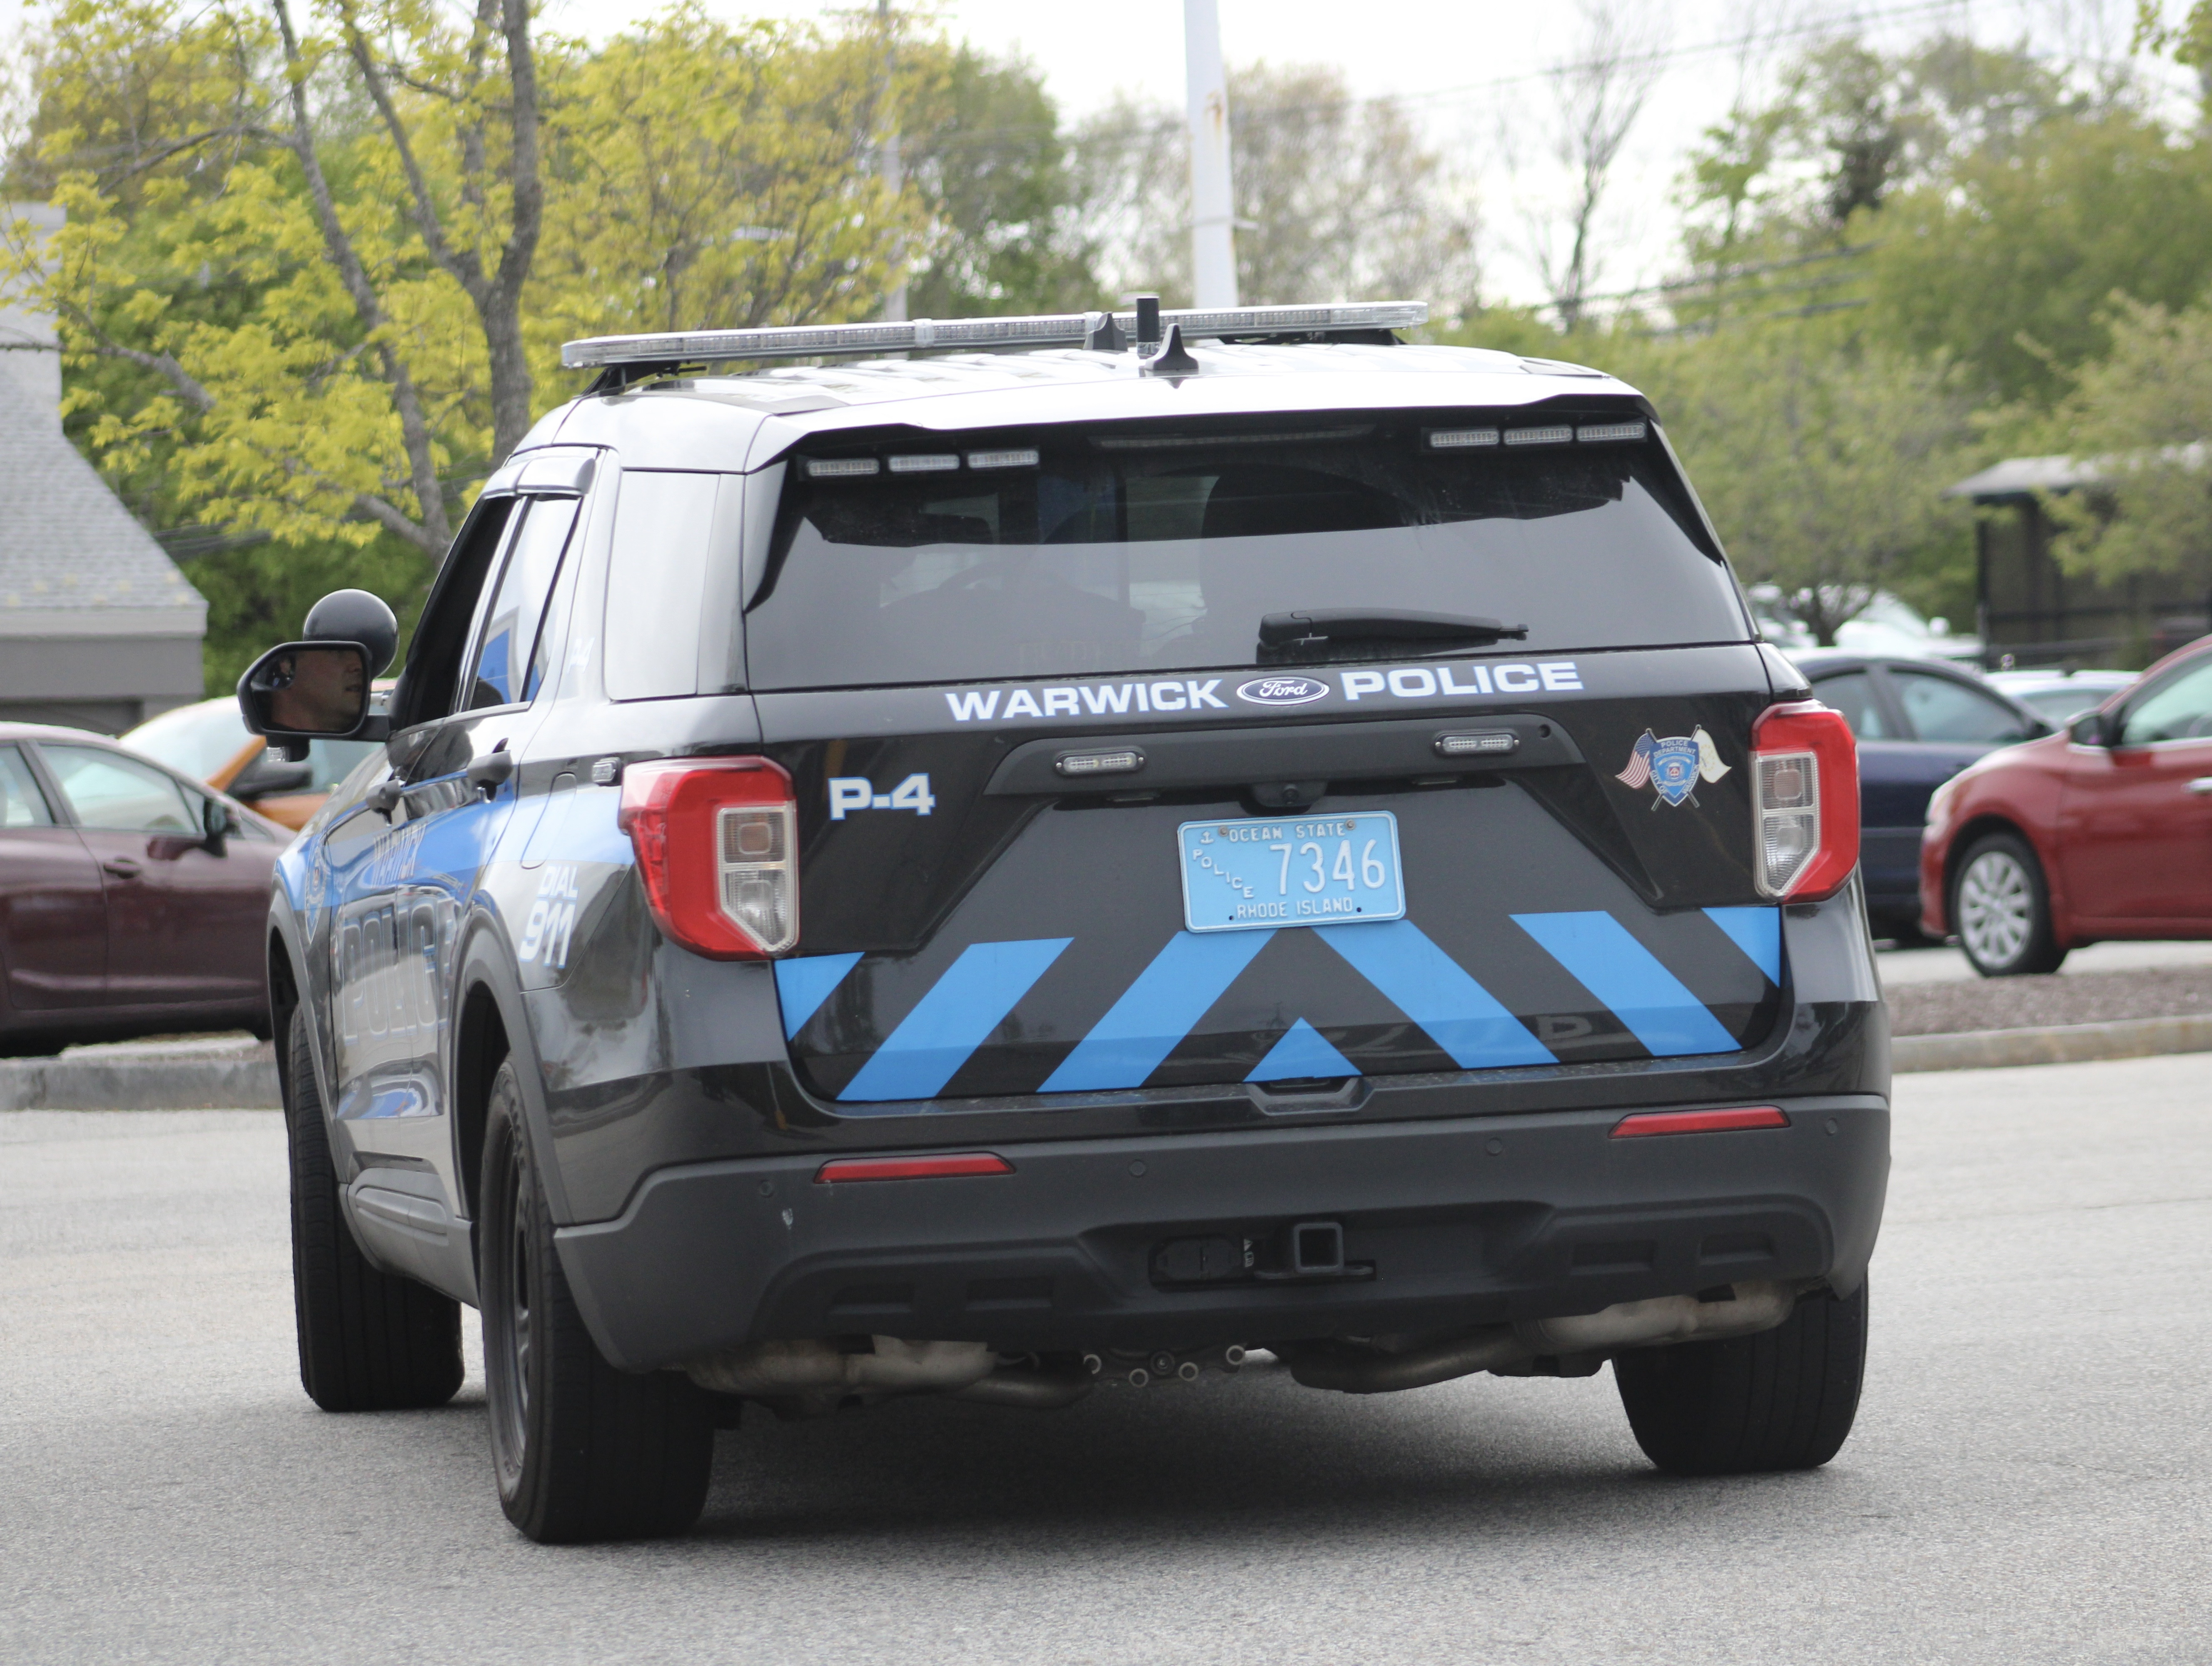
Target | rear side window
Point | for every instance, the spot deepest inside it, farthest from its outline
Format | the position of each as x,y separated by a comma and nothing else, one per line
664,533
1941,709
1073,553
22,804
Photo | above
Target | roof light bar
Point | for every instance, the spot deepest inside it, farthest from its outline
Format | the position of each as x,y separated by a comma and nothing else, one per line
1539,436
936,462
1051,329
1453,439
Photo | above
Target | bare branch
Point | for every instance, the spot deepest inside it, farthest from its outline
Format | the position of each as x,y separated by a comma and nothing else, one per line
368,506
461,263
414,431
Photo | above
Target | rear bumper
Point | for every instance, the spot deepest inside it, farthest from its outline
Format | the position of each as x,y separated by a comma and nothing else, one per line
1464,1221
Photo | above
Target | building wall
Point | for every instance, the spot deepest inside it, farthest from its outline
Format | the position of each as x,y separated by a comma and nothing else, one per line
110,683
2031,608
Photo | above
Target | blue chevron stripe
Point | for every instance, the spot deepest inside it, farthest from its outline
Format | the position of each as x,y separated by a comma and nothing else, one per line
1434,990
1158,1010
1757,933
1302,1051
1660,1013
803,985
950,1022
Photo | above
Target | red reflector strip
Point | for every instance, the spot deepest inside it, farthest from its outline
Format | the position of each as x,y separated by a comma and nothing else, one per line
910,1168
1699,1122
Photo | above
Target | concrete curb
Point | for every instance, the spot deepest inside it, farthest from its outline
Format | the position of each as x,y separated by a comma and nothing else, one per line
2063,1043
138,1085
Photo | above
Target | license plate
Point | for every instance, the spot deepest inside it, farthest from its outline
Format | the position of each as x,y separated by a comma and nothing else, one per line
1290,871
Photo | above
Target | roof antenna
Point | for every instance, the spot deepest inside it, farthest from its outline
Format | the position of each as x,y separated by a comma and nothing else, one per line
1101,334
1168,359
1148,324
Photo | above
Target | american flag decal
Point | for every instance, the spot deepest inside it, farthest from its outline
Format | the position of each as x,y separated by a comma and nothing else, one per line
1638,772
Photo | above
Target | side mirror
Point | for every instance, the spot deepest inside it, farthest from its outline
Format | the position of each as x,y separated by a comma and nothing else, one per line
311,691
2092,729
218,821
268,776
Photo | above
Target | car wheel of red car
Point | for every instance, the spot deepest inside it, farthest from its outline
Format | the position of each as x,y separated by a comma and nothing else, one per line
2001,908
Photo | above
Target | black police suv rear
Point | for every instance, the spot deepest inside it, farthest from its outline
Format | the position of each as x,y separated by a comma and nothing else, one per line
1016,874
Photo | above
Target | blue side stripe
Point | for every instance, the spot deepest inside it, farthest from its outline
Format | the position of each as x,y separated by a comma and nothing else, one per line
803,985
1158,1010
948,1023
1622,973
1431,988
1757,933
1303,1051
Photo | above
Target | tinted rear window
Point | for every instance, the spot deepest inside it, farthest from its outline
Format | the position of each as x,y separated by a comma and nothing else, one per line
1123,553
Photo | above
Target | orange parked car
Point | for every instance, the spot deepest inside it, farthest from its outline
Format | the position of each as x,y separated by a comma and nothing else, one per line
210,742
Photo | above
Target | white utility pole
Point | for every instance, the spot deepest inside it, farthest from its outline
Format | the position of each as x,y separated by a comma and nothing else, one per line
892,165
1213,210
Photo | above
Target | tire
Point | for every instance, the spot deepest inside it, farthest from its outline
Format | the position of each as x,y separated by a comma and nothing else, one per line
583,1451
369,1341
2001,909
1782,1400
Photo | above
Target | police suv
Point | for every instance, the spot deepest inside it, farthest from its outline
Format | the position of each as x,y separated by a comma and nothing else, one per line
1021,857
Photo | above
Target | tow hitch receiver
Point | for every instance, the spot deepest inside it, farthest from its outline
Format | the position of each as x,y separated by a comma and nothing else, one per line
1306,1252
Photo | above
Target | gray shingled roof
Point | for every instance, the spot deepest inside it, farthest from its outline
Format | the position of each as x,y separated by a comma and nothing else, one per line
66,542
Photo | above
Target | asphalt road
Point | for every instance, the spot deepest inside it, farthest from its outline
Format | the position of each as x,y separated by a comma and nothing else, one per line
2030,1480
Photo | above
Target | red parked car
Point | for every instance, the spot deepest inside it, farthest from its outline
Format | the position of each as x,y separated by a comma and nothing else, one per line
2102,831
132,900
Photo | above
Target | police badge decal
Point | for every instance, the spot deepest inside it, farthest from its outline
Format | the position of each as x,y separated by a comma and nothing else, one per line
1673,768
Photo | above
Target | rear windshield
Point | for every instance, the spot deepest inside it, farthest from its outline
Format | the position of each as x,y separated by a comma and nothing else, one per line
1072,553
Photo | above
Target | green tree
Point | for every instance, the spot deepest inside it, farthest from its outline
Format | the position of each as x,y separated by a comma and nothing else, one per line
1820,463
2139,419
1006,233
1340,198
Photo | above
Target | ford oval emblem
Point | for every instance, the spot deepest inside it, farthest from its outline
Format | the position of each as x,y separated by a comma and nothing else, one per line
1282,690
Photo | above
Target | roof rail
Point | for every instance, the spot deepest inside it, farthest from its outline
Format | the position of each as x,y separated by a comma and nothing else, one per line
939,335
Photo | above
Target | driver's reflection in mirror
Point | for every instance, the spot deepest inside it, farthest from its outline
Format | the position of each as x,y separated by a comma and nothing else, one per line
317,691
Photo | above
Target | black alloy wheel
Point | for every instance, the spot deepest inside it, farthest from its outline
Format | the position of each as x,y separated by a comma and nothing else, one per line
582,1452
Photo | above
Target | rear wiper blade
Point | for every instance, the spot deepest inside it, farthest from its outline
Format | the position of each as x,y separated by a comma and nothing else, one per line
1315,626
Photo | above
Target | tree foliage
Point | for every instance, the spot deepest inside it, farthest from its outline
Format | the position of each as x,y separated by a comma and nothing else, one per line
1337,199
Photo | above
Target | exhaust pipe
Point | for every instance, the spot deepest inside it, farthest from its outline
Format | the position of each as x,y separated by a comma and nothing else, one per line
1741,1309
1032,1390
897,1367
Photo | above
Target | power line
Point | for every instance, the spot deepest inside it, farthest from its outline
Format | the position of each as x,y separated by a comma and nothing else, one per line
1655,58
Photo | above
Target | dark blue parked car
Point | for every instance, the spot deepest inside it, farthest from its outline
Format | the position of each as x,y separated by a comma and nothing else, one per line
1918,723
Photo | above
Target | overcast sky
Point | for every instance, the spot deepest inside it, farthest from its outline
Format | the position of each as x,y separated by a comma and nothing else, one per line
1473,71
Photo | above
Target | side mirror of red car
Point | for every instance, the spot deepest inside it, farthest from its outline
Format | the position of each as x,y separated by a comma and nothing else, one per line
2092,729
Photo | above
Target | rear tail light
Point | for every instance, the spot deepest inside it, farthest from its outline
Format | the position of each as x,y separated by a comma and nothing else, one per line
1805,801
1699,1121
717,844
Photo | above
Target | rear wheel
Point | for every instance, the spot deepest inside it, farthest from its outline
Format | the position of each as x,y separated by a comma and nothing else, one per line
2001,909
1782,1400
369,1341
583,1450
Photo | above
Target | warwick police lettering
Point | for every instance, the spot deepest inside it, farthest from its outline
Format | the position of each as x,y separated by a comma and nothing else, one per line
1195,694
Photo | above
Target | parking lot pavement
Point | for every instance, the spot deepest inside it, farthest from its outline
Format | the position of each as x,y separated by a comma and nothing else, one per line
2029,1480
1940,965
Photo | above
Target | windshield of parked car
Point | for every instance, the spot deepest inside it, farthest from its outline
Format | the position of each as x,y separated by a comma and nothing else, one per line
1073,553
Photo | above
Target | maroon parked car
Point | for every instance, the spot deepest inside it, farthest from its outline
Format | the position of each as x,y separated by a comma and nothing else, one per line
132,901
